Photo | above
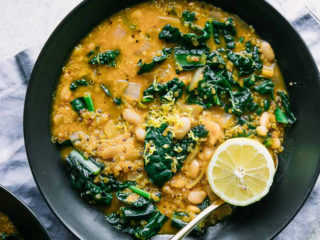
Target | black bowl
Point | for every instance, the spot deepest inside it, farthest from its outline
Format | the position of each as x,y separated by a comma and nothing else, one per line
21,216
299,163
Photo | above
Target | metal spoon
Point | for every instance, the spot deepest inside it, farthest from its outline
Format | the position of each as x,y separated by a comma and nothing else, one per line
188,228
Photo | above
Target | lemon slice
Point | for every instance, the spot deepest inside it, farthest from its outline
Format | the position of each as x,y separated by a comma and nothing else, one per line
241,171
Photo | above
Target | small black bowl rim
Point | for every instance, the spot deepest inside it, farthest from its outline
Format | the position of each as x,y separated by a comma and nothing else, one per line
30,212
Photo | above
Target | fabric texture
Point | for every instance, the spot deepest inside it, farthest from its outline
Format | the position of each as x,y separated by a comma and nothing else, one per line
14,168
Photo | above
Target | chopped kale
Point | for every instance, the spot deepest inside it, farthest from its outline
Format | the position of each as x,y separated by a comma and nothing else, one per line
80,82
227,29
90,53
158,150
105,58
139,203
152,227
106,90
206,203
188,16
78,104
245,64
266,104
265,88
195,39
170,34
81,103
133,212
131,223
249,81
147,67
283,114
163,157
248,47
240,100
82,173
170,91
217,82
117,101
188,59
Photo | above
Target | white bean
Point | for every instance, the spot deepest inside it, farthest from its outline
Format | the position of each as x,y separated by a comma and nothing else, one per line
264,119
193,209
215,132
267,51
182,127
197,196
140,134
65,93
275,143
207,153
131,116
194,168
262,130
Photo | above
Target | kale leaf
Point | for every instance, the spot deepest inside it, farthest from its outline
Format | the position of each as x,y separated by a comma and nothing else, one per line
195,39
188,16
157,154
284,115
132,212
80,82
78,104
227,29
245,64
162,156
152,227
82,173
147,67
138,203
265,88
105,58
241,100
188,59
215,84
170,91
131,222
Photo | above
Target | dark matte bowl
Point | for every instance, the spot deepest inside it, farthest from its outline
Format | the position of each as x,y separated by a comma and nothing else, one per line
21,216
299,163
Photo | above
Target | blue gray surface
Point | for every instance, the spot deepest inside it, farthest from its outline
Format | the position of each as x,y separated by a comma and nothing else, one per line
14,169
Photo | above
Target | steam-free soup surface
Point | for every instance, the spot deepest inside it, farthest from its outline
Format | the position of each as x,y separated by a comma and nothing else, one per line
114,133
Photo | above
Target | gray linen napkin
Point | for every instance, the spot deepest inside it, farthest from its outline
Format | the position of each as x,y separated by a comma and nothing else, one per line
14,169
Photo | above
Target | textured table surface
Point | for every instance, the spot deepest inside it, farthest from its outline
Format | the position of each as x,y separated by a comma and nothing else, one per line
27,24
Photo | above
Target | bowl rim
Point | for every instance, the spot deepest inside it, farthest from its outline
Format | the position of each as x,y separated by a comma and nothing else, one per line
43,52
27,208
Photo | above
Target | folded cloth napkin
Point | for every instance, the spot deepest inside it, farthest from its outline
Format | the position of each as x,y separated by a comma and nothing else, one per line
14,169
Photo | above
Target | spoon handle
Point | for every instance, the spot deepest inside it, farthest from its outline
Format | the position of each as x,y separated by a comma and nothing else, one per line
184,231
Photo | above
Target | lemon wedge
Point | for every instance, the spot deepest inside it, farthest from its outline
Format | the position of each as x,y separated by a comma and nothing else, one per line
241,171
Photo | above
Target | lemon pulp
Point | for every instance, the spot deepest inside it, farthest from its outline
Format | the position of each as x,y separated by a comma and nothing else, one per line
241,171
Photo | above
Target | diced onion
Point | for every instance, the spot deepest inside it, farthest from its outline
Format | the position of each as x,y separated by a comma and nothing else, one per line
133,91
197,76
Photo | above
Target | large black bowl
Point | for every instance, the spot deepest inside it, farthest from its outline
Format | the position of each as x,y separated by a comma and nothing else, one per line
299,163
21,216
